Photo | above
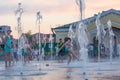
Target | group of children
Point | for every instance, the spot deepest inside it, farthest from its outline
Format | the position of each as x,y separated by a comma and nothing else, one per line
11,51
63,48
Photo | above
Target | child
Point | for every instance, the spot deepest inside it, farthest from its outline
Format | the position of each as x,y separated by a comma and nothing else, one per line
69,49
7,49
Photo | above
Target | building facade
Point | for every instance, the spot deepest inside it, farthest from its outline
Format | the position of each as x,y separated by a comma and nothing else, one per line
112,14
4,28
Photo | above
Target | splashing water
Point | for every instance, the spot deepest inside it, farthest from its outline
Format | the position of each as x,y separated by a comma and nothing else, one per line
100,35
81,4
39,17
51,44
18,14
19,10
71,33
82,36
44,42
83,42
43,53
111,40
1,40
38,20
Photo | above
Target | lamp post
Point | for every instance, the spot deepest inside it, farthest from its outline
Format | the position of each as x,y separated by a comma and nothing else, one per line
39,17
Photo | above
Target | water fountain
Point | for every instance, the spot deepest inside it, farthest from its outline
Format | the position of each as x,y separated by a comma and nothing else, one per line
38,20
23,44
91,68
1,40
111,40
18,14
19,69
81,4
51,45
100,36
82,37
71,33
118,49
83,42
44,44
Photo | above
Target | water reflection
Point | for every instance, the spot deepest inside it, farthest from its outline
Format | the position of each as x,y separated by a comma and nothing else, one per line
62,73
71,74
68,74
24,78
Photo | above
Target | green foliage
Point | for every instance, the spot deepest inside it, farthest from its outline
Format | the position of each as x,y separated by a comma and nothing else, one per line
29,36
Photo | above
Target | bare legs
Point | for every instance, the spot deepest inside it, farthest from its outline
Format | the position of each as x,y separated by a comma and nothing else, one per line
7,60
70,54
70,57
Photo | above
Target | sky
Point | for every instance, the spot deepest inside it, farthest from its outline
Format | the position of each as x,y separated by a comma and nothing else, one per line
54,13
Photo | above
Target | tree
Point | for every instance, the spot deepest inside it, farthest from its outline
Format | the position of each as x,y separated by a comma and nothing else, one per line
29,36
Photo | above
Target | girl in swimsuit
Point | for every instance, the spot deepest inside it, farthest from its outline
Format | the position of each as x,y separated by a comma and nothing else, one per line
69,49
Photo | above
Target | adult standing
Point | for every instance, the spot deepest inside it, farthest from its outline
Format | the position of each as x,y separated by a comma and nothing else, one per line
7,49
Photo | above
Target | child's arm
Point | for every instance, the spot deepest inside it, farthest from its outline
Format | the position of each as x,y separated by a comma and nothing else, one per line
62,47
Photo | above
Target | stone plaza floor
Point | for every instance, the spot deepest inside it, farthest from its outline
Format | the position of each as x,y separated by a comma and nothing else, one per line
54,70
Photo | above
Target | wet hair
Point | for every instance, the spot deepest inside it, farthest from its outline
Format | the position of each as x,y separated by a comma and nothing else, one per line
60,39
66,39
9,30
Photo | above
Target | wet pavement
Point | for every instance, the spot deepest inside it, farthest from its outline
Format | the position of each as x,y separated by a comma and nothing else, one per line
53,70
